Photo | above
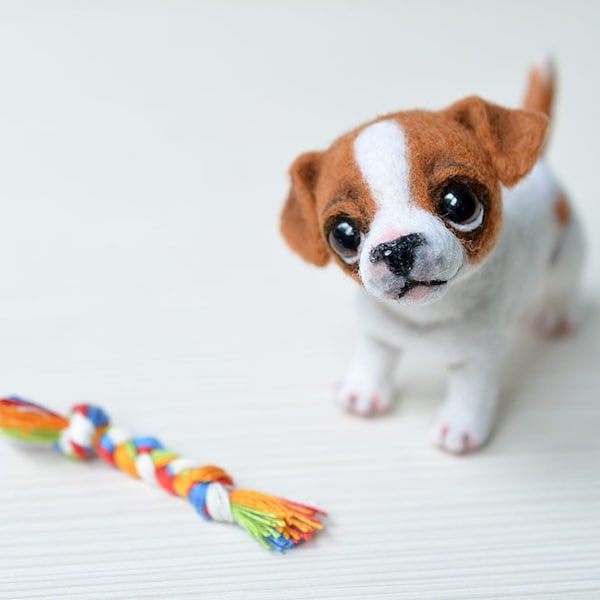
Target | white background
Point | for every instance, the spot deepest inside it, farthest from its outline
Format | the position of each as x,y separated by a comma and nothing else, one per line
144,149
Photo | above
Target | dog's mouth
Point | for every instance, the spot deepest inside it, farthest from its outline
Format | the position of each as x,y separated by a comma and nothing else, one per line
411,284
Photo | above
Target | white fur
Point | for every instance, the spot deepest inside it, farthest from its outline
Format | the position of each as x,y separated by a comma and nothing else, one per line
535,265
545,64
367,388
380,151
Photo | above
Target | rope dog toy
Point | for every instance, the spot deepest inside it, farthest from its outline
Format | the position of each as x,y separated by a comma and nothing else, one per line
276,523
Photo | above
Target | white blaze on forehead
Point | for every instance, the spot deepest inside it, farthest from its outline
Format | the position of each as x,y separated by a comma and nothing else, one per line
380,152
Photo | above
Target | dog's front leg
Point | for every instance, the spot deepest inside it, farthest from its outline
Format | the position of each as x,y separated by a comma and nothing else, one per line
465,421
367,387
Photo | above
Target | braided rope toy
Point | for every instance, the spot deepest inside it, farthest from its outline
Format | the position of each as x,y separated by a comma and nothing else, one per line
278,524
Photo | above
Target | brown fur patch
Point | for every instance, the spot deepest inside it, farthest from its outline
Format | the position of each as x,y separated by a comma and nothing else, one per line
341,190
540,90
473,142
439,151
512,139
332,187
562,210
299,224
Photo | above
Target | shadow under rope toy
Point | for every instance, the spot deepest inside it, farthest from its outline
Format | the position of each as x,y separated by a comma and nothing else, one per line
276,523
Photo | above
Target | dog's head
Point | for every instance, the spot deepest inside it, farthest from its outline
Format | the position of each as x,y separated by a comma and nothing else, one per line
407,202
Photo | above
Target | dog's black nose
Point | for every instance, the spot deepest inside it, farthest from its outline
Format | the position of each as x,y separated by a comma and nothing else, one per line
399,254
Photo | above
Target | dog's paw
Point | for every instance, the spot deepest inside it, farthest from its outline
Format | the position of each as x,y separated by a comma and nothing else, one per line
363,400
459,431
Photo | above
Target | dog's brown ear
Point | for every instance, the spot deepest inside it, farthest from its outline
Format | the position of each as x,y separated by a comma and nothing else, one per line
513,138
299,222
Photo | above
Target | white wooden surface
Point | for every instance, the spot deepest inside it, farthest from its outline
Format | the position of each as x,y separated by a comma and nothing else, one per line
144,149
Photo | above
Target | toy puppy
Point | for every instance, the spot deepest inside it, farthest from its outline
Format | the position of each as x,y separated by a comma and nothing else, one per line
454,227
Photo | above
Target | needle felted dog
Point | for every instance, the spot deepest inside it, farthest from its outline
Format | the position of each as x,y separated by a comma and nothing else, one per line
454,227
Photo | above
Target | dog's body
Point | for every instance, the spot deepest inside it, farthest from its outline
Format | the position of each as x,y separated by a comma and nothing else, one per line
455,227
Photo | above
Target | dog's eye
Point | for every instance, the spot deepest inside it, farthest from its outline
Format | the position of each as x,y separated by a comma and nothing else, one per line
346,238
461,208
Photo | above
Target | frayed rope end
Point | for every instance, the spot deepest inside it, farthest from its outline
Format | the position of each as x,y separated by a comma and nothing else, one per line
29,422
276,523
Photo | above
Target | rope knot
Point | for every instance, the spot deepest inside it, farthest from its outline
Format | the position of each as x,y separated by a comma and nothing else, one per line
80,437
207,488
275,522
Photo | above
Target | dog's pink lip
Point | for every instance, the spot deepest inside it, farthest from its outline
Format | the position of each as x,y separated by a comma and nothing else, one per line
411,284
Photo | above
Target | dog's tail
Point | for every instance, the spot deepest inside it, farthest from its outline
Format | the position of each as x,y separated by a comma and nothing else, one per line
541,85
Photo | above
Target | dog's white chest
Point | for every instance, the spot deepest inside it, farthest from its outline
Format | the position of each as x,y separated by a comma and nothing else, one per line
482,305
